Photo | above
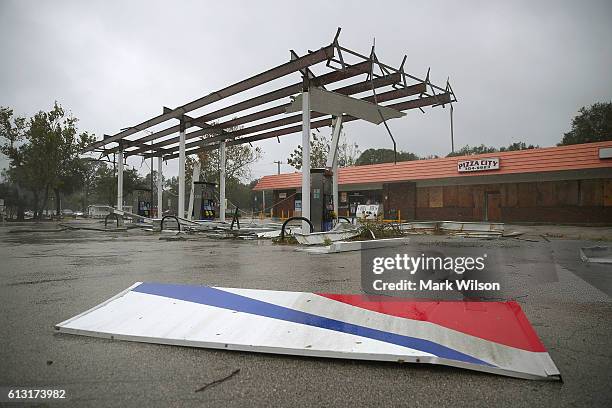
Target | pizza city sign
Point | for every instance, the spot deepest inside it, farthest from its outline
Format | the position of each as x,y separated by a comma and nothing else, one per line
478,165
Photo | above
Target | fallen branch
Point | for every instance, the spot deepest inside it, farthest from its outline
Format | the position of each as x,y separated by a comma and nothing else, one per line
219,381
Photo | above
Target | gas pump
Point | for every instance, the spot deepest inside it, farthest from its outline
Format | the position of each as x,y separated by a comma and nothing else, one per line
354,201
143,202
321,199
205,200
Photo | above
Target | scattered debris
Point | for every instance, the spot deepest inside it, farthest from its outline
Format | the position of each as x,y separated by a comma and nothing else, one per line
464,229
172,235
512,234
276,233
219,381
347,246
596,254
527,239
29,230
36,282
341,231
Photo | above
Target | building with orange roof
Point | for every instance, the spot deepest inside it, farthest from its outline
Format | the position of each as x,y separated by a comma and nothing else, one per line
563,184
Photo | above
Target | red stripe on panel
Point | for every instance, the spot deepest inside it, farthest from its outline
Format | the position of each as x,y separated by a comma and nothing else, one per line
499,322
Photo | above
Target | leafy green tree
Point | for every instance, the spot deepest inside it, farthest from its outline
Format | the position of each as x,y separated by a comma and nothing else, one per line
87,171
12,131
106,184
592,124
44,153
517,146
319,148
238,160
468,150
348,152
374,156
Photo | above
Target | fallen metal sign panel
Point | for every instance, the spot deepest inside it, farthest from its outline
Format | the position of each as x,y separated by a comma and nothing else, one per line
493,337
336,104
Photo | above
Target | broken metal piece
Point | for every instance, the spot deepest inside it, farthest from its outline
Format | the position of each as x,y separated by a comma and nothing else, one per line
348,246
340,232
458,228
492,337
336,104
596,254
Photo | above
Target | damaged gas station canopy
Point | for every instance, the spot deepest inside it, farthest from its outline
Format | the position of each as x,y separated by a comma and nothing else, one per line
259,109
492,337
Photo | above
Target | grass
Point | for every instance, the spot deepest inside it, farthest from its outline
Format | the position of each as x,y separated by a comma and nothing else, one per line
379,229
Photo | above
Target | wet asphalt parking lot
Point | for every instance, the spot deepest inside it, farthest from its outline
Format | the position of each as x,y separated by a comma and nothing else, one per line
49,277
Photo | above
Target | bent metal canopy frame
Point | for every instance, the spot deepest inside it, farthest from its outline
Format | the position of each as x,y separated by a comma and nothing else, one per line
241,123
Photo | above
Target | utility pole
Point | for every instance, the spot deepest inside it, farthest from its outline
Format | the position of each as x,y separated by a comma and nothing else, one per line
278,162
452,130
151,197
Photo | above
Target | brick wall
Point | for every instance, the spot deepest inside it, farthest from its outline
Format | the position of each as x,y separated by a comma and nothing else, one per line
283,206
402,197
572,201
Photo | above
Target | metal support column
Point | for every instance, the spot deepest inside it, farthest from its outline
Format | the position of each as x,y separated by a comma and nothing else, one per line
120,178
195,177
305,157
181,187
263,202
160,189
222,181
332,159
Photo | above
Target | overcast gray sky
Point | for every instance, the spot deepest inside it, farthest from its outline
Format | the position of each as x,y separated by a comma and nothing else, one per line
520,70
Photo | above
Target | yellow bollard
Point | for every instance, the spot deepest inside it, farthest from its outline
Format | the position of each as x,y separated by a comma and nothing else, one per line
282,214
399,216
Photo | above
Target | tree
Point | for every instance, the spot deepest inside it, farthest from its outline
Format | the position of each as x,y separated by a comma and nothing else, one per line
12,130
43,153
374,156
348,152
319,148
88,171
592,124
517,146
106,183
238,160
468,150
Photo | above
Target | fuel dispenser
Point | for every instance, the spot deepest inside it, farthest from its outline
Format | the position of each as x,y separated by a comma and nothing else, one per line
143,202
205,204
354,201
321,199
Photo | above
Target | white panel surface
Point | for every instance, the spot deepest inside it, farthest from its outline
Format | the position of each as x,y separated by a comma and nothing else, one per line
308,324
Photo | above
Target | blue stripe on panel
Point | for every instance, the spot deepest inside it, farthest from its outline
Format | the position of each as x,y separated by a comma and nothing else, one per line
218,298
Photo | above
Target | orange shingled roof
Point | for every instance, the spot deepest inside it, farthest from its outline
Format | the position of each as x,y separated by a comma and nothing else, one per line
573,157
